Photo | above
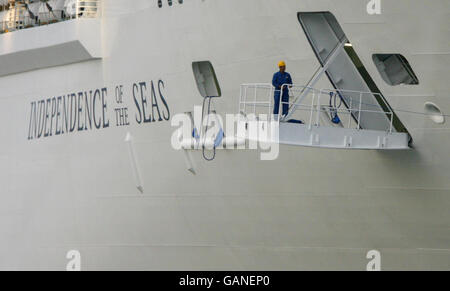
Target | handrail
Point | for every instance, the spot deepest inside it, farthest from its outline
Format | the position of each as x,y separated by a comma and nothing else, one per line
353,105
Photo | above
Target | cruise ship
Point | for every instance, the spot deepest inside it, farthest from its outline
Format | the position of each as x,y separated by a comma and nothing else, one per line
117,150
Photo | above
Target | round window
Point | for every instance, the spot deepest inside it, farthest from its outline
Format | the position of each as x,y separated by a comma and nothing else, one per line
434,113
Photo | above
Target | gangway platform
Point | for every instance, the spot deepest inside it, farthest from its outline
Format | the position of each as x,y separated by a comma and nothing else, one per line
325,118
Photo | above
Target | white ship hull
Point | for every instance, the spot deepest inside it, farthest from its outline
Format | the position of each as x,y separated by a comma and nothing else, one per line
310,209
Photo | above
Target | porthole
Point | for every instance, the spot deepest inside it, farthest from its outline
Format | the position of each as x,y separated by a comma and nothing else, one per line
169,2
434,113
395,69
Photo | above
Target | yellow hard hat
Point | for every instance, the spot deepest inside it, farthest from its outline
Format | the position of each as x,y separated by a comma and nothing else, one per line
281,64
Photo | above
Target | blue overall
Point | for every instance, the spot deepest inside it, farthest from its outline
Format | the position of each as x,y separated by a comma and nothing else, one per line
280,79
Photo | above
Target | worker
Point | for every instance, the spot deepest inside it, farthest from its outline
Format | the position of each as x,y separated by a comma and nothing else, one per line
281,78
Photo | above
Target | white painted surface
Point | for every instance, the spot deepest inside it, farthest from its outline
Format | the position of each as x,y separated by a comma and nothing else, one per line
50,45
310,209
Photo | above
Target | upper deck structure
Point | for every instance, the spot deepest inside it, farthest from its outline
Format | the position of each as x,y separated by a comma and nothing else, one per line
42,34
22,14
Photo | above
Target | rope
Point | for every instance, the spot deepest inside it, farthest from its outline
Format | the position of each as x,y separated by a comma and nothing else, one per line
209,159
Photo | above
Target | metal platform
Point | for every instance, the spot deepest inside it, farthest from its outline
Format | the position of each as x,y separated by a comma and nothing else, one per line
322,118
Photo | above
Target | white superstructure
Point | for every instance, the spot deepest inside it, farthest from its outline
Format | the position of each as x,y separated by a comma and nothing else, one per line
89,89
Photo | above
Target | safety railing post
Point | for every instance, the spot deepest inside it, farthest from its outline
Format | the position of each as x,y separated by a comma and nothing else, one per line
359,110
350,114
254,104
280,105
245,99
318,108
270,103
312,110
240,99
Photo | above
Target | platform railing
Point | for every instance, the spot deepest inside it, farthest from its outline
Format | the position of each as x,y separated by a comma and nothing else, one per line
254,92
259,99
353,103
